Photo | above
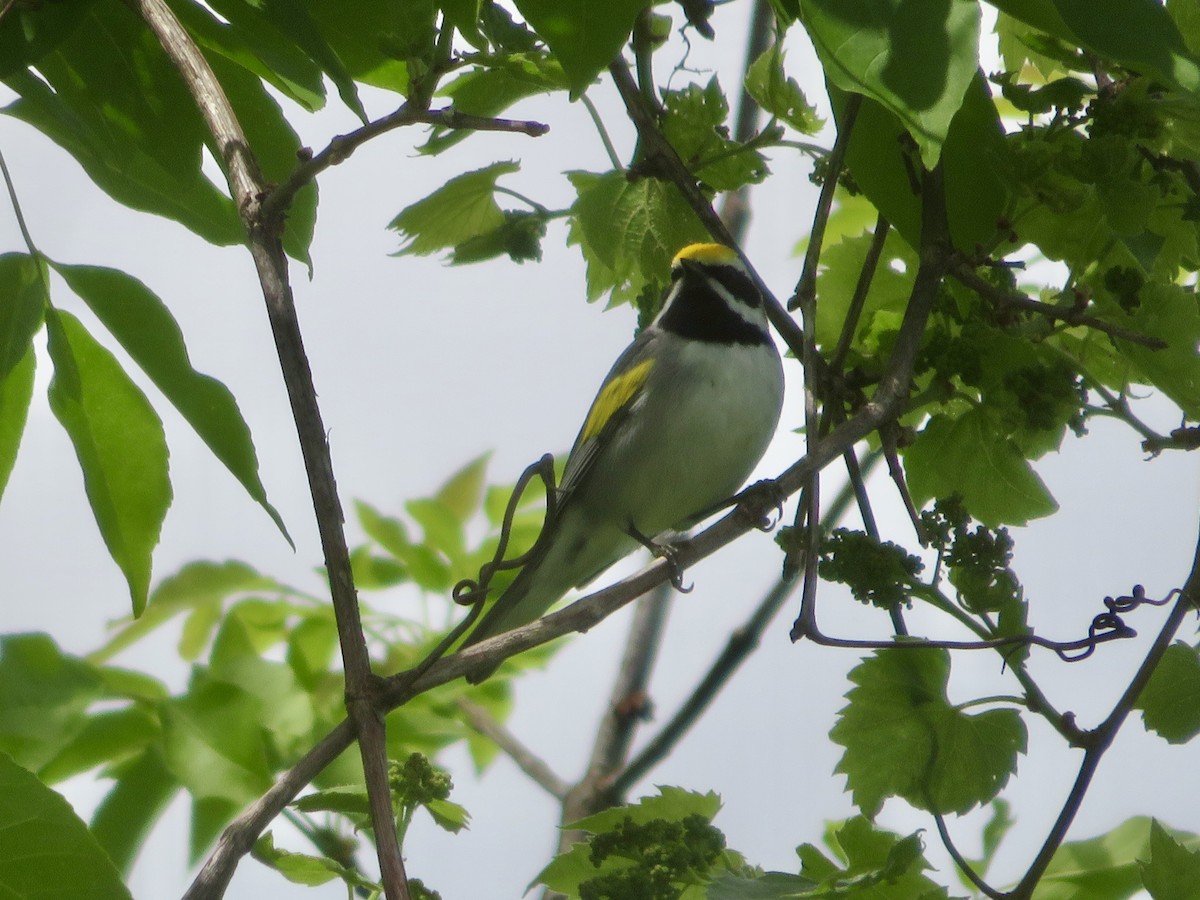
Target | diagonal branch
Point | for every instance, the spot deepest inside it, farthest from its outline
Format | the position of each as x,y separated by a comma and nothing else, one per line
527,761
246,186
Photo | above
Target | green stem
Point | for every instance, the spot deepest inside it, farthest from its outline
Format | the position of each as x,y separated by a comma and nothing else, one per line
604,138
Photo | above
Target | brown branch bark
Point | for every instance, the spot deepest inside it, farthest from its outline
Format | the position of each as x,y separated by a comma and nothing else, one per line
262,238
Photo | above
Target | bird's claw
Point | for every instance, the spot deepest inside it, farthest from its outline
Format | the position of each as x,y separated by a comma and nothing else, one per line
753,499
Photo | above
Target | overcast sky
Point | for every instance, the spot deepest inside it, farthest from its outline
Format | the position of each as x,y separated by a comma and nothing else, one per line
420,368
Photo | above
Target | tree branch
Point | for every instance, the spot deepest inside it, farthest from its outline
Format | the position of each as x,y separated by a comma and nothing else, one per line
627,707
1001,298
247,187
527,761
342,146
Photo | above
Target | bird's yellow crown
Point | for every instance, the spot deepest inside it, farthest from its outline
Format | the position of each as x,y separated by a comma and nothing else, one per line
717,254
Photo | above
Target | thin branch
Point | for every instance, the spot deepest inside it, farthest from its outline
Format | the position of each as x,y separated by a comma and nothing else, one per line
656,147
1101,738
735,206
806,287
246,186
959,860
613,157
627,707
342,146
858,300
526,760
742,642
16,204
1001,298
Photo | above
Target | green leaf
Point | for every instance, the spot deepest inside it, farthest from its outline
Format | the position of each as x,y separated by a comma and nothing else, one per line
695,124
145,328
765,886
140,796
970,456
47,851
871,862
276,147
22,301
462,492
463,208
916,60
1173,871
350,800
28,33
585,36
648,217
1170,701
24,295
768,83
903,738
1103,867
194,586
214,742
250,42
16,392
105,737
488,91
1138,34
120,445
45,698
108,96
380,42
443,530
301,868
448,815
387,531
1171,313
294,21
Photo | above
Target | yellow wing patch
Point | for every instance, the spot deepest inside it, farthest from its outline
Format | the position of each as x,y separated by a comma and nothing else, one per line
705,253
613,396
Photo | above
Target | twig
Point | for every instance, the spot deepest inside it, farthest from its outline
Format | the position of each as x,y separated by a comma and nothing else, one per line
627,708
655,145
343,145
806,287
527,761
1101,738
246,186
1001,298
865,276
735,207
959,860
740,645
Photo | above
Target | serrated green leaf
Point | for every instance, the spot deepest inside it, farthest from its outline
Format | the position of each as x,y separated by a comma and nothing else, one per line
841,266
970,456
903,738
585,36
1104,867
142,791
120,445
45,698
1173,871
768,83
145,328
767,886
47,851
916,60
463,208
1170,701
671,803
695,122
651,223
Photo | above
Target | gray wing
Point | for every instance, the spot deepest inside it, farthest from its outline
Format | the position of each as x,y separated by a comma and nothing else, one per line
611,408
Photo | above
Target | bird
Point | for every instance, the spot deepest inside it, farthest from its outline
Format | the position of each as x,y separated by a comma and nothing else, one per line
680,421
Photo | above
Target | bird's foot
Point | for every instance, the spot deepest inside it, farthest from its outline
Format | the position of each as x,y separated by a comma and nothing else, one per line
760,496
662,551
